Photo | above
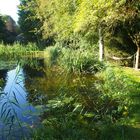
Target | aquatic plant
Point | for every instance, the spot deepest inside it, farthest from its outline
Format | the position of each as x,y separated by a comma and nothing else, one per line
80,60
9,107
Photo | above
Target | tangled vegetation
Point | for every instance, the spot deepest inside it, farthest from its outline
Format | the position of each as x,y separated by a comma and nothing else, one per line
78,37
90,114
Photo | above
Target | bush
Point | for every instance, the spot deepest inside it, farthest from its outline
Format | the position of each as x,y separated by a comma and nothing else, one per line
53,53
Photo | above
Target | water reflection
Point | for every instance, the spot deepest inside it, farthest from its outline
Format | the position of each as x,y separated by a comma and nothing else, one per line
3,74
14,106
28,86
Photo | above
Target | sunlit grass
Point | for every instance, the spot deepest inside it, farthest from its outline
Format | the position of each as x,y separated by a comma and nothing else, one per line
17,50
132,73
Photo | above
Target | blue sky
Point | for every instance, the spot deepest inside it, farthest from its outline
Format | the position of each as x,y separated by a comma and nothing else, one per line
9,7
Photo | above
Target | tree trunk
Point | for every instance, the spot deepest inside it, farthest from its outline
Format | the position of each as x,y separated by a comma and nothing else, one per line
101,45
137,58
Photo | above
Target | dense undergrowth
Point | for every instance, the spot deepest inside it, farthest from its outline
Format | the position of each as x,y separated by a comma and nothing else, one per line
91,114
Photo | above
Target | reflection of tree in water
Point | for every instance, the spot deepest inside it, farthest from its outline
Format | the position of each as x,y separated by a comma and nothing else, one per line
33,66
34,70
42,84
3,75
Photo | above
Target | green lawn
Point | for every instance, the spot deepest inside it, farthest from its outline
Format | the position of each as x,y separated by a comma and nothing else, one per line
132,73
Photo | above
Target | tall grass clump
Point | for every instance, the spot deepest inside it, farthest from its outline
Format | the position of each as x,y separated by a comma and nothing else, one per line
115,81
80,59
16,50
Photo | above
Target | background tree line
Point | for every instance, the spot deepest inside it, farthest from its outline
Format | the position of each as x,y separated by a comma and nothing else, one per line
8,29
75,23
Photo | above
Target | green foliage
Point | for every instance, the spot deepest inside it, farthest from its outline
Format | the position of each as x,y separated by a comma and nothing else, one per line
54,24
17,50
82,59
29,23
41,19
53,53
79,60
116,82
90,115
2,29
79,16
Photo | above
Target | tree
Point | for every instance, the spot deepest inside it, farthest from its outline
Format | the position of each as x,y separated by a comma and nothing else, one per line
62,20
57,17
97,15
2,29
28,21
131,14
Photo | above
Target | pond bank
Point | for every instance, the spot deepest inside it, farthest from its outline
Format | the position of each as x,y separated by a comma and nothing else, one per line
85,99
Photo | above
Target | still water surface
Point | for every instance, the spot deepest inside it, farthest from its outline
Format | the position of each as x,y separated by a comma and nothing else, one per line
20,101
25,88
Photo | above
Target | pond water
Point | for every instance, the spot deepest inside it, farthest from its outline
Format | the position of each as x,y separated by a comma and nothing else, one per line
26,86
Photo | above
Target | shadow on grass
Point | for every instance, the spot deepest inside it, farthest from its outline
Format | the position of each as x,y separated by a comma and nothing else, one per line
120,133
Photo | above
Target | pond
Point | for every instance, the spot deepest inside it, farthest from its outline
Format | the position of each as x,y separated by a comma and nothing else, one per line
26,86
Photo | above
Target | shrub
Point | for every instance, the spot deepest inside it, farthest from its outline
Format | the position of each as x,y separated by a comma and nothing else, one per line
79,60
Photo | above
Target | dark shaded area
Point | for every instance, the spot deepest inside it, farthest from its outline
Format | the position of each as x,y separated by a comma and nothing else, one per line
120,40
3,74
8,29
34,68
117,132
